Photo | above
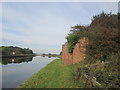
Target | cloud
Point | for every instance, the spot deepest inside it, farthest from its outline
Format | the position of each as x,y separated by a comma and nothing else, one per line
44,26
0,23
60,0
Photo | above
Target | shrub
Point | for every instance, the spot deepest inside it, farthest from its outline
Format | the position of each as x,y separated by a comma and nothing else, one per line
104,43
103,35
72,40
77,32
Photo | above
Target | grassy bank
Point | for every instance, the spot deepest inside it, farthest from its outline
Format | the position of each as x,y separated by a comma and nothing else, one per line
54,75
81,75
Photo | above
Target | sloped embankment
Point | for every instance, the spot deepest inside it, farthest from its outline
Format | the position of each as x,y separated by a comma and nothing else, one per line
54,75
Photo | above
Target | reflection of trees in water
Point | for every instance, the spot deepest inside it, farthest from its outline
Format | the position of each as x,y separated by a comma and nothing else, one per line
49,56
46,56
6,61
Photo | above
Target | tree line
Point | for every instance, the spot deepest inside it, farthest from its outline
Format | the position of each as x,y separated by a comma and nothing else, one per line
11,50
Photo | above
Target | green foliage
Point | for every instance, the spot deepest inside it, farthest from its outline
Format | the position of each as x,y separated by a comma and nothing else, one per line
77,32
105,73
8,50
61,53
103,35
104,46
72,40
105,20
49,54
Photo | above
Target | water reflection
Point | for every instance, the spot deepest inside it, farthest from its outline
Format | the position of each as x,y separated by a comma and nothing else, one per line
6,61
15,74
47,56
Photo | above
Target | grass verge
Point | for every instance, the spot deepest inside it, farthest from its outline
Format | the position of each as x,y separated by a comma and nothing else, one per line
54,75
58,75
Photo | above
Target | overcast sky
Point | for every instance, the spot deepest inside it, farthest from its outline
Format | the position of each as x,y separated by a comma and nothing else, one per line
43,26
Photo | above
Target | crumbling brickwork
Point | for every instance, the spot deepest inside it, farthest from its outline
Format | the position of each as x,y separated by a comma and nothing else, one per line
66,56
78,52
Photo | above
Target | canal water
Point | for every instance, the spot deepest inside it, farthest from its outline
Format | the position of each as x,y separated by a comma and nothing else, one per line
16,70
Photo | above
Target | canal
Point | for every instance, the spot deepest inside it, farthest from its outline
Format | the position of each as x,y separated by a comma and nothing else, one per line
17,70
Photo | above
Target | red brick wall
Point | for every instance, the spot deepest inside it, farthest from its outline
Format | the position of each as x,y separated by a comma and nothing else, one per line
66,56
78,53
79,50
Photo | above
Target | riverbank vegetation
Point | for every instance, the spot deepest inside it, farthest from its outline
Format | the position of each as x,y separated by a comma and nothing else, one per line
98,70
58,75
102,61
8,51
50,55
54,75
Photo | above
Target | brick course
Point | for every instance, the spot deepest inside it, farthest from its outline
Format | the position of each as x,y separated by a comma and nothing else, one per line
78,52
